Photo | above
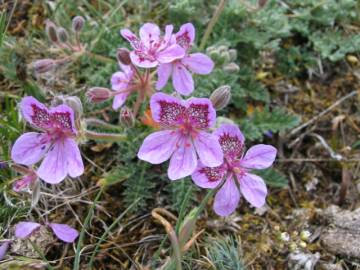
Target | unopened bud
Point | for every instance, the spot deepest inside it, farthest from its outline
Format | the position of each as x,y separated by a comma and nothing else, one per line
233,54
43,65
78,23
98,94
123,56
220,98
231,68
127,117
62,34
50,30
222,48
75,103
225,57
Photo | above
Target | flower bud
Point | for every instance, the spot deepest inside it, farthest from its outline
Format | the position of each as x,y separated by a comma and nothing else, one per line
78,23
43,65
123,56
98,94
75,103
233,54
62,35
50,30
223,48
220,98
225,57
126,117
231,68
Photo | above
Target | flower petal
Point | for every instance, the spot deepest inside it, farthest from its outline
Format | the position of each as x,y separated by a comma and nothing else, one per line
75,165
29,148
198,63
35,112
182,80
201,112
170,54
168,35
149,34
167,109
260,156
53,169
208,149
183,162
158,146
24,182
131,37
62,117
253,188
141,59
119,81
64,232
24,229
163,72
227,198
186,35
231,140
3,249
208,177
119,100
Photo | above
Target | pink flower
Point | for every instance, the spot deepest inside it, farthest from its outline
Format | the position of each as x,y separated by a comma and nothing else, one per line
152,49
121,82
55,142
62,231
183,136
236,169
197,63
25,181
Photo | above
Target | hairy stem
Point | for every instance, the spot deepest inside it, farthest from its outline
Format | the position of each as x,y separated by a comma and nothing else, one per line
112,137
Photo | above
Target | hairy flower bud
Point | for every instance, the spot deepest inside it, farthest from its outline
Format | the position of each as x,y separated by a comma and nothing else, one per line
78,23
220,98
123,56
98,94
62,35
231,68
127,117
51,32
233,54
43,65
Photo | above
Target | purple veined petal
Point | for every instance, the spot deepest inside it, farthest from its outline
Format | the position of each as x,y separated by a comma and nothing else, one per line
35,113
142,60
131,37
163,71
25,229
119,100
166,109
231,140
4,246
201,112
149,34
198,63
167,37
183,162
186,35
24,182
75,165
253,188
170,54
159,146
119,81
64,232
208,177
53,168
62,118
29,148
260,156
182,79
208,149
227,198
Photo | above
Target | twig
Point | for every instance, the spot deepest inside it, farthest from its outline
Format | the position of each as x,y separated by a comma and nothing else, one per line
314,119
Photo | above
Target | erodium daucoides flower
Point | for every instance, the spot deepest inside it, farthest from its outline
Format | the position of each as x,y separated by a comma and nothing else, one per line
152,49
55,142
184,135
178,69
236,168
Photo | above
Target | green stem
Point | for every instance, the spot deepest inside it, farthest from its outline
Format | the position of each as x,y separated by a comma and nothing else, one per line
212,23
182,209
99,123
82,233
112,137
